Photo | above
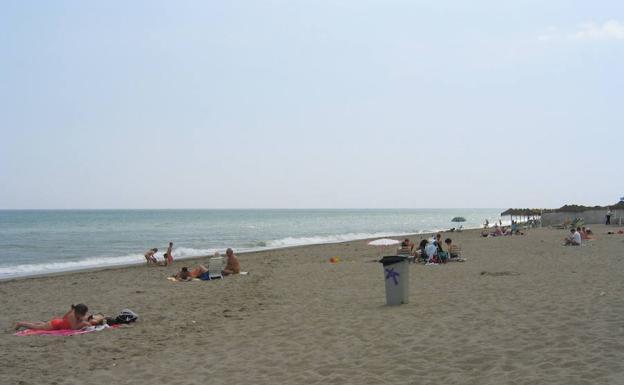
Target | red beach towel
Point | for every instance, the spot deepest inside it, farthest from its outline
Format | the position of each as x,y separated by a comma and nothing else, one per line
62,332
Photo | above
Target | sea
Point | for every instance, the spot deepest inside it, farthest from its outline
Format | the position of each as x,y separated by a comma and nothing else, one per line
35,242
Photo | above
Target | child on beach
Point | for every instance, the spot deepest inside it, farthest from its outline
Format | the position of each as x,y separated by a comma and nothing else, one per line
74,319
149,256
169,255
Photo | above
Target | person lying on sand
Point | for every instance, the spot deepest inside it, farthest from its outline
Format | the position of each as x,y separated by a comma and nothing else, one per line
74,319
185,275
149,256
232,266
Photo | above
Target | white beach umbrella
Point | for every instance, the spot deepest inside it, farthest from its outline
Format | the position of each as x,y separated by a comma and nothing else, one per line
384,242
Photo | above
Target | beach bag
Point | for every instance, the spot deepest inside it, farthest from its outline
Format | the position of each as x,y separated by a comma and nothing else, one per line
126,316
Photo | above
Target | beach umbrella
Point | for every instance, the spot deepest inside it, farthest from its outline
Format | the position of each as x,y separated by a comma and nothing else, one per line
458,219
384,242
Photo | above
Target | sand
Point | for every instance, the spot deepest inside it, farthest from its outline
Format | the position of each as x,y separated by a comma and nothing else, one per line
521,310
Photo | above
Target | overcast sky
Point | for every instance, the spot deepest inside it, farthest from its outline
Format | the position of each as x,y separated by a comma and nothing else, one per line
306,104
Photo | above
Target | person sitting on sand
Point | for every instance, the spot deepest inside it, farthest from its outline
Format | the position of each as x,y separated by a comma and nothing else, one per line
452,249
74,319
485,234
438,242
574,239
497,231
583,232
420,252
232,266
405,248
442,255
431,252
149,256
589,233
410,244
185,275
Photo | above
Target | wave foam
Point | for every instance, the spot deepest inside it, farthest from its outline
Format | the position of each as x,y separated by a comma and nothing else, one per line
93,262
336,238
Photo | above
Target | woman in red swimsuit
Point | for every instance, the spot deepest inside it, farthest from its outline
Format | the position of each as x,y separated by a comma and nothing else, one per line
73,319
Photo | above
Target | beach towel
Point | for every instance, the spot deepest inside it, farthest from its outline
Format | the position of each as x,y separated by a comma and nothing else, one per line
204,277
172,279
63,332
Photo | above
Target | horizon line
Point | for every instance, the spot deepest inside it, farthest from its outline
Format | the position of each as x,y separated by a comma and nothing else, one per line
252,208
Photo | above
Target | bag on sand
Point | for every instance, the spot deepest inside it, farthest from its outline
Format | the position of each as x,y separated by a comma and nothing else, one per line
125,317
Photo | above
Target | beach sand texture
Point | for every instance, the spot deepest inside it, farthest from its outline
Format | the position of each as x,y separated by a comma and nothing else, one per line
521,310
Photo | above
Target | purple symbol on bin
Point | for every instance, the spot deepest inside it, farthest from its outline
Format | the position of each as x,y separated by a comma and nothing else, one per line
390,273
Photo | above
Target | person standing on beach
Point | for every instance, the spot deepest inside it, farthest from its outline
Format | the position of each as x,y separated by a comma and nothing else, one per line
608,216
169,254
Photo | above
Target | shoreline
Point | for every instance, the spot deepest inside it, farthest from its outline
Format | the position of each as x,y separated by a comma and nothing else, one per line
194,259
521,309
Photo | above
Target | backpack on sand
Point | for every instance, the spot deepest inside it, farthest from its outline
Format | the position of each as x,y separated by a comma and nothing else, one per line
125,317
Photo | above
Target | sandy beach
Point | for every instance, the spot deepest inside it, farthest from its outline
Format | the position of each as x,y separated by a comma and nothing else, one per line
520,310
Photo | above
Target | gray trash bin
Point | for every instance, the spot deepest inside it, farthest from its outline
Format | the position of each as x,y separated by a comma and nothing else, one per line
396,276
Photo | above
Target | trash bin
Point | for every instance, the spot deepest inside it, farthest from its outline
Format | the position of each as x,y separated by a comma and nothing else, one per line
396,275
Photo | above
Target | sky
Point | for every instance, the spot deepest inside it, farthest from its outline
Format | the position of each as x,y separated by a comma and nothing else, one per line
310,104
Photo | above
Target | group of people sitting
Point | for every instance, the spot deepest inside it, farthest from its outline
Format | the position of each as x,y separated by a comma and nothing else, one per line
431,251
201,272
501,230
577,236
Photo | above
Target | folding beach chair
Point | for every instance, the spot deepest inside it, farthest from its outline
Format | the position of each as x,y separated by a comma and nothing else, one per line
215,267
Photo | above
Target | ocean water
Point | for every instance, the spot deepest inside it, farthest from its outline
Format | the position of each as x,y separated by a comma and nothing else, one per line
37,242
